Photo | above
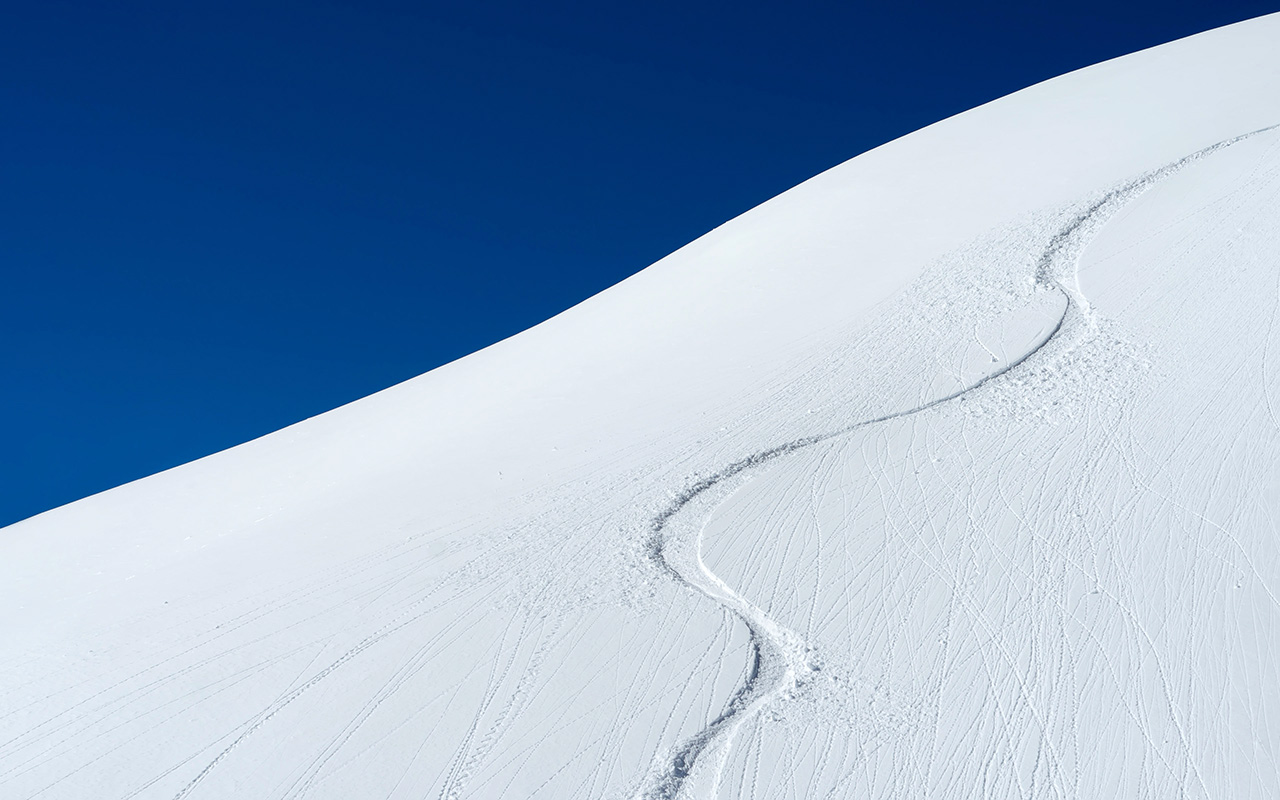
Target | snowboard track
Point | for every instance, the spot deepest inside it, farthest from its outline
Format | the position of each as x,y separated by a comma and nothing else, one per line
780,658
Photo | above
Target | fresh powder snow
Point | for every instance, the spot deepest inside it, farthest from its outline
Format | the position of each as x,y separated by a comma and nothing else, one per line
953,472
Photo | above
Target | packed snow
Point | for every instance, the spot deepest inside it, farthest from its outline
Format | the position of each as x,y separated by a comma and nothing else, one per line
953,472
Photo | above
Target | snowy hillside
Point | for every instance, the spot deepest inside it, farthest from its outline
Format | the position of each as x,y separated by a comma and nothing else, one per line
953,472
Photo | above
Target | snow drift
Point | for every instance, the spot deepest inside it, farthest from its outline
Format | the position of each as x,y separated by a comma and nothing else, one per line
950,473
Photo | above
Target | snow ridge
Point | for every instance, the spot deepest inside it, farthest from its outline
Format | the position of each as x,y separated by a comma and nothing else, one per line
781,659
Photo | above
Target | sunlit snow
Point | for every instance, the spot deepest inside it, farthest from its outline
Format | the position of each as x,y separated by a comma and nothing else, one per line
954,472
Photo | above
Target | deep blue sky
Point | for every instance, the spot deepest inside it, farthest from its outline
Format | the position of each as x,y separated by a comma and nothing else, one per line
219,219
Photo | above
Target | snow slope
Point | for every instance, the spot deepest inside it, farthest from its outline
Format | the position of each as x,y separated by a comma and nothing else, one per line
950,473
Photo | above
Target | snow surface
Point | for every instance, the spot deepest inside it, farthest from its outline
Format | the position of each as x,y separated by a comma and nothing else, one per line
951,473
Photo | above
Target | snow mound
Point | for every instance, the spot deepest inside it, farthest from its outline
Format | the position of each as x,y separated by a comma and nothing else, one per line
951,472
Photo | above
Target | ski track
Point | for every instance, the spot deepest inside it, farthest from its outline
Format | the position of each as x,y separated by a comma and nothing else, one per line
780,657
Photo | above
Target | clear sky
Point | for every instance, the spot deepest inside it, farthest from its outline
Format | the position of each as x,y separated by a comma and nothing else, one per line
217,219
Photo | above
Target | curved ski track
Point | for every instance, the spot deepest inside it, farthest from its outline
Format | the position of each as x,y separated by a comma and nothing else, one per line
780,656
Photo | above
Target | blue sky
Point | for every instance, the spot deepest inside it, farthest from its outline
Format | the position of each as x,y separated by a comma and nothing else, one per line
219,219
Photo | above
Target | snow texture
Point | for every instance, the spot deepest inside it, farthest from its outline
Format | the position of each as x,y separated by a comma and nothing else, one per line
953,472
